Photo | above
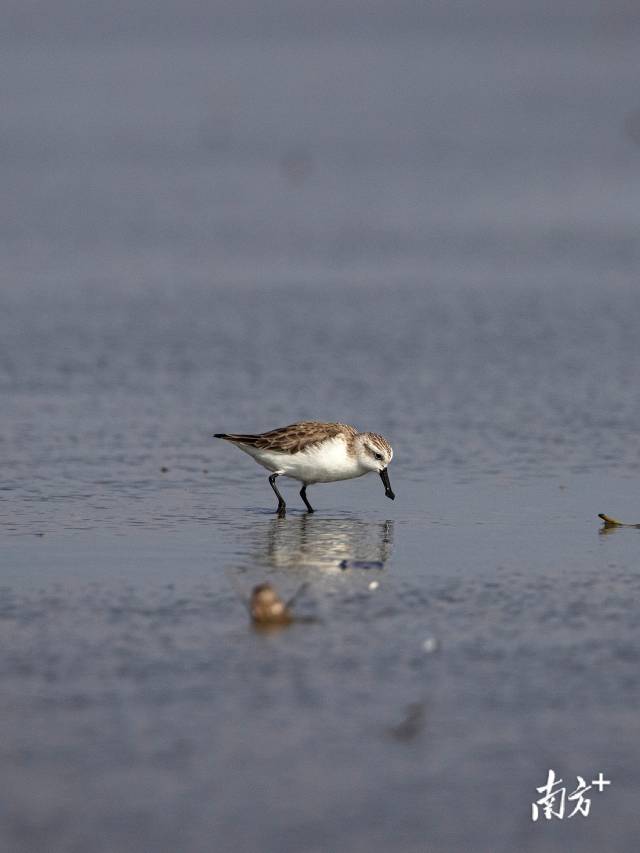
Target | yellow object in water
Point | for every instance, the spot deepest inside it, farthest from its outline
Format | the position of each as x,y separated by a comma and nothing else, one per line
267,608
613,522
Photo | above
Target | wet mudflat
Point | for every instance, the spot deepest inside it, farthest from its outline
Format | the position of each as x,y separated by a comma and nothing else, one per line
139,703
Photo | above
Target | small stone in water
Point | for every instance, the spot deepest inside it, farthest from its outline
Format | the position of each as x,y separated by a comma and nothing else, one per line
430,645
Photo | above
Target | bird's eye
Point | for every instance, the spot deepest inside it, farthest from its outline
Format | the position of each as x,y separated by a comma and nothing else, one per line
378,455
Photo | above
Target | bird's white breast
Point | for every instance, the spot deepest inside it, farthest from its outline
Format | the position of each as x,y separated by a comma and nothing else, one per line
320,463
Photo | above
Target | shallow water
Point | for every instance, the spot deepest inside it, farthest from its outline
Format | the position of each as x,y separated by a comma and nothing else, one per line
428,230
138,703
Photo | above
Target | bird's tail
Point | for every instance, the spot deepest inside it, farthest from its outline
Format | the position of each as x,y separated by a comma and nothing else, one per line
237,438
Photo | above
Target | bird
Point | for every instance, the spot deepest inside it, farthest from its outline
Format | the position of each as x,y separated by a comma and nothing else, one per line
316,452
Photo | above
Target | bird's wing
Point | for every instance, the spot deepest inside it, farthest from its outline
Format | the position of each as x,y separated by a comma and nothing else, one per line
293,438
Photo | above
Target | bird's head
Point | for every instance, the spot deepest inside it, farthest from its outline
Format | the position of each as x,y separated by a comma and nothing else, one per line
374,454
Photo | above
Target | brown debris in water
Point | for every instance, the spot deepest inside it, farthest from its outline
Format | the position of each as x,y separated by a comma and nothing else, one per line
267,608
609,523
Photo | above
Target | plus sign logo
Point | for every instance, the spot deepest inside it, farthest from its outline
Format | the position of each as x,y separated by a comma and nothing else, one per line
556,802
600,782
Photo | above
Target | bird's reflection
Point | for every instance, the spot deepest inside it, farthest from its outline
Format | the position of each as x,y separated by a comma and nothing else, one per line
607,529
310,542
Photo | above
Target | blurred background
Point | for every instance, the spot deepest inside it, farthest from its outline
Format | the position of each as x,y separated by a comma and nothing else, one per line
157,147
419,217
336,213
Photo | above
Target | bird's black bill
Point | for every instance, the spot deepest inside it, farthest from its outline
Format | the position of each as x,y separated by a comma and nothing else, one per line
384,476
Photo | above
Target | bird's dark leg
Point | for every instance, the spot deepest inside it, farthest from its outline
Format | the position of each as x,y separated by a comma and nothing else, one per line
303,495
282,507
